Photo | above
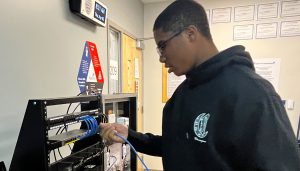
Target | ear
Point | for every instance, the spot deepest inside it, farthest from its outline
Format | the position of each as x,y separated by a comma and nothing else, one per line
192,33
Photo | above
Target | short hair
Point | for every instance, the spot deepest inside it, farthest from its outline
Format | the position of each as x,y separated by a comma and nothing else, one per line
181,14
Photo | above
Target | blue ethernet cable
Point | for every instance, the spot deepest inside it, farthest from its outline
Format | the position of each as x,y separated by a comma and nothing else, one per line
95,124
91,124
131,146
88,127
91,130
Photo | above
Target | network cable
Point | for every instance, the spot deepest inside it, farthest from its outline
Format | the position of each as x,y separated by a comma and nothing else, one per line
112,163
59,153
95,124
54,155
66,127
92,125
131,146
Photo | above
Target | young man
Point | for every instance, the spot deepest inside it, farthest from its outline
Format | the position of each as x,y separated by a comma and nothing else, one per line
223,117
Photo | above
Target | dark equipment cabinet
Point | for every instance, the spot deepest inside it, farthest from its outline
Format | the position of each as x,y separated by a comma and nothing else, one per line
32,151
34,144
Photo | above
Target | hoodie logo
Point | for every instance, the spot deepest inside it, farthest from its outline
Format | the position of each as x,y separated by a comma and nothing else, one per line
200,124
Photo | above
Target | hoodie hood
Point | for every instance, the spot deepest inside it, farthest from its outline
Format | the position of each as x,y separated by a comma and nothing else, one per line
235,55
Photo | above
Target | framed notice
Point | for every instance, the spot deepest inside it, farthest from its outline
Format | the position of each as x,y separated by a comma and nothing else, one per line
244,13
266,30
169,84
243,32
268,68
290,28
221,15
290,8
267,11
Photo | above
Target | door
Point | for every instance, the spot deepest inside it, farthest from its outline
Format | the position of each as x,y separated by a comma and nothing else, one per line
132,80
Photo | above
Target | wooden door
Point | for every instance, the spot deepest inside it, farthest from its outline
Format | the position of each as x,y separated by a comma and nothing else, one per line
132,80
128,55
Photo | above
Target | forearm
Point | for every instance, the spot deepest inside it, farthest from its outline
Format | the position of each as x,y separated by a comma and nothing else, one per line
145,143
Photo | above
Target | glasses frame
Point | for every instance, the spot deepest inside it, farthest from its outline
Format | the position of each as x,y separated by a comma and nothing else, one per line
161,47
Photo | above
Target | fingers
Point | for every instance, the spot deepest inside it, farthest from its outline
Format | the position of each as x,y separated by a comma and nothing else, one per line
103,125
108,133
112,136
105,131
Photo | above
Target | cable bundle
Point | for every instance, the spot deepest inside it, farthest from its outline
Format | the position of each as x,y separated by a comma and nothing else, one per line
92,125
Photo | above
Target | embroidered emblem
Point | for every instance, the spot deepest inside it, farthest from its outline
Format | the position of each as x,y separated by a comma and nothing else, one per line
200,124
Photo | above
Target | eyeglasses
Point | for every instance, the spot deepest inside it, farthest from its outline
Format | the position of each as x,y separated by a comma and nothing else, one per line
162,45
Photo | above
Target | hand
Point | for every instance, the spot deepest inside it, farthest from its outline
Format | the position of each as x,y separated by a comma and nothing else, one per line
108,132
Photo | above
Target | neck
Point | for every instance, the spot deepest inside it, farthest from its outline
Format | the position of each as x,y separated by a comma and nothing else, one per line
207,51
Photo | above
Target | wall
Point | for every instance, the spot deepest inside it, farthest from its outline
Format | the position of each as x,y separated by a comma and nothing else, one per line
41,43
285,48
152,81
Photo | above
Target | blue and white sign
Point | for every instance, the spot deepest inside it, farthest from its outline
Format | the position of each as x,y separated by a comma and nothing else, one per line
100,12
84,68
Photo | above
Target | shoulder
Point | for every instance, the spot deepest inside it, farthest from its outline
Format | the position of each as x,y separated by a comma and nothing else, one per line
244,83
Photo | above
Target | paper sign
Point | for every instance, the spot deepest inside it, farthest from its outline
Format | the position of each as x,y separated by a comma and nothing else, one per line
173,82
90,77
268,68
113,70
221,15
243,32
136,68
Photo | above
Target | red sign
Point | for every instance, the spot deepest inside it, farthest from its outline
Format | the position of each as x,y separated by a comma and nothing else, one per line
96,62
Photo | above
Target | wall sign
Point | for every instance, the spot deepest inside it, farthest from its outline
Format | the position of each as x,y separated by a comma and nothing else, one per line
90,77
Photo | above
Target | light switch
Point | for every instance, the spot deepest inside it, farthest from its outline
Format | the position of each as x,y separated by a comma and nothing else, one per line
289,104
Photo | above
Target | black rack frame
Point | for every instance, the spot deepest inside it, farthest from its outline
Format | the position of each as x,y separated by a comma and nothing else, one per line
32,153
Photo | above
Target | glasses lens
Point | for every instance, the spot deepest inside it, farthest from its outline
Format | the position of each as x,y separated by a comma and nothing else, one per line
163,44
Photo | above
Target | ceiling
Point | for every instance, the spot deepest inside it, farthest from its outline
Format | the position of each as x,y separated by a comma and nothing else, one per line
152,1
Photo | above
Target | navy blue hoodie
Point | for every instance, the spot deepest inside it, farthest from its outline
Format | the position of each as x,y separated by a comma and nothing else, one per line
223,117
